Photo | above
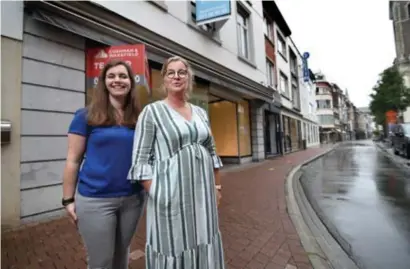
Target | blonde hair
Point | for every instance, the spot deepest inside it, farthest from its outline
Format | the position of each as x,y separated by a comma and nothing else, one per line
190,78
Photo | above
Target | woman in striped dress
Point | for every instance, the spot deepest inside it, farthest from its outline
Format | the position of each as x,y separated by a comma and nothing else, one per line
174,158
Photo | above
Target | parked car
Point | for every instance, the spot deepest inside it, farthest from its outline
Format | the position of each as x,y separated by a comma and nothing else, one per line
401,139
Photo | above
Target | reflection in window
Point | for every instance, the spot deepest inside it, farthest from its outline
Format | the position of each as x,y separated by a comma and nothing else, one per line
284,85
244,128
270,73
326,119
324,104
224,126
281,45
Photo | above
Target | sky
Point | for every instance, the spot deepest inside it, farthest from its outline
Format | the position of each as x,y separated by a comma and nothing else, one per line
350,41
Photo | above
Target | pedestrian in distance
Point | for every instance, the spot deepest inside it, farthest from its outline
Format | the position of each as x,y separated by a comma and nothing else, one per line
175,159
107,207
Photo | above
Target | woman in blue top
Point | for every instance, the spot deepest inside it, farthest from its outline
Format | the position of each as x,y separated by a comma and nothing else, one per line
107,206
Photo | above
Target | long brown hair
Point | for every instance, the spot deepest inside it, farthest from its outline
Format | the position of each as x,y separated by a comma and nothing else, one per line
100,109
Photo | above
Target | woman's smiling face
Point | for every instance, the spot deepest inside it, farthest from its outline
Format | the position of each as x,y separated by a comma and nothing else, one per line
118,81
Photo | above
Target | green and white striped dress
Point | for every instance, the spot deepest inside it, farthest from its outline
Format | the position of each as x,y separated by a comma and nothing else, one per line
182,216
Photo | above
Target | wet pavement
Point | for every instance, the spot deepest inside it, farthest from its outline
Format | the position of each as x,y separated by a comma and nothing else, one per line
363,198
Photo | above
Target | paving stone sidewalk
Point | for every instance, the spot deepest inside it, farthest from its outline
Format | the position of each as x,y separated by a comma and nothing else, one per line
256,228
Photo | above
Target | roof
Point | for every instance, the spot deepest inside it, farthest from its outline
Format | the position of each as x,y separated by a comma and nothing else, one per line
320,81
274,13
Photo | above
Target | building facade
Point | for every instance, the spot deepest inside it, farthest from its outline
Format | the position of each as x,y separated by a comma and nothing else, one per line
337,115
366,124
310,125
247,77
287,74
327,110
351,129
399,13
46,46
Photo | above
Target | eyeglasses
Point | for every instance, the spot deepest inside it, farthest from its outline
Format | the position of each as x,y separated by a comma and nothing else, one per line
181,73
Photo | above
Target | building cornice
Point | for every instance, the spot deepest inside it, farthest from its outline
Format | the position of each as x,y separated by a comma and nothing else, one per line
103,19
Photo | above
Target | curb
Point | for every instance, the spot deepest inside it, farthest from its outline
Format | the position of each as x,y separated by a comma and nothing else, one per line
392,157
323,250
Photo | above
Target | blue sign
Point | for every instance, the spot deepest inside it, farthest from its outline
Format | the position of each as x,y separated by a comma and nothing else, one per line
306,55
306,75
211,11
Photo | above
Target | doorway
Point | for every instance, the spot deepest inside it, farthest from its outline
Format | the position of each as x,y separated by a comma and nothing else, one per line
272,134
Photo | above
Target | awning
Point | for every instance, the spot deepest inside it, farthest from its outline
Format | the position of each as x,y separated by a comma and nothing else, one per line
74,27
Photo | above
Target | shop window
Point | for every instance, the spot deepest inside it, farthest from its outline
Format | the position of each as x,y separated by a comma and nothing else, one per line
199,95
244,129
294,136
224,126
286,133
157,92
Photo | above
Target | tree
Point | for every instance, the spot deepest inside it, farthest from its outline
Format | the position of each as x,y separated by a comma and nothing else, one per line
390,93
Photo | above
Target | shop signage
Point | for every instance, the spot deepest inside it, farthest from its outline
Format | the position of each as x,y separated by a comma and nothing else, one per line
134,55
215,11
306,76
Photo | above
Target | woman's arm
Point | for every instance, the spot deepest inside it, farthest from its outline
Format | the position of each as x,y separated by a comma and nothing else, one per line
76,147
142,154
77,139
217,177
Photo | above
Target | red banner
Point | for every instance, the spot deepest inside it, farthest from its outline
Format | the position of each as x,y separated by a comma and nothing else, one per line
133,55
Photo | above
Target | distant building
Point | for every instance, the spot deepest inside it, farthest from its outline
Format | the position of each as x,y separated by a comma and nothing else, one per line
399,13
366,123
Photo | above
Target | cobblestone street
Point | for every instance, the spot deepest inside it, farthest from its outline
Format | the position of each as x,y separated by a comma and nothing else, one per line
257,231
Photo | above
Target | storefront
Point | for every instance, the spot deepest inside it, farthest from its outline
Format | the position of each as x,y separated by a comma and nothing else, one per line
310,133
229,115
56,37
292,133
273,133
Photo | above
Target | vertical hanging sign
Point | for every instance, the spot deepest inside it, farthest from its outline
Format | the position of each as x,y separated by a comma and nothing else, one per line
133,55
306,76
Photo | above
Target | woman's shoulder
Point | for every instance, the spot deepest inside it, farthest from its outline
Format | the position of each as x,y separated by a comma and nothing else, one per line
80,115
81,111
198,109
152,105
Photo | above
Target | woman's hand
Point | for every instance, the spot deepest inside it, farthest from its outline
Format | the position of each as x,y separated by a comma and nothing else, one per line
70,208
218,197
218,194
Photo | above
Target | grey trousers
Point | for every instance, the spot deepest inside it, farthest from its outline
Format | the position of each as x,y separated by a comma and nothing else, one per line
107,226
